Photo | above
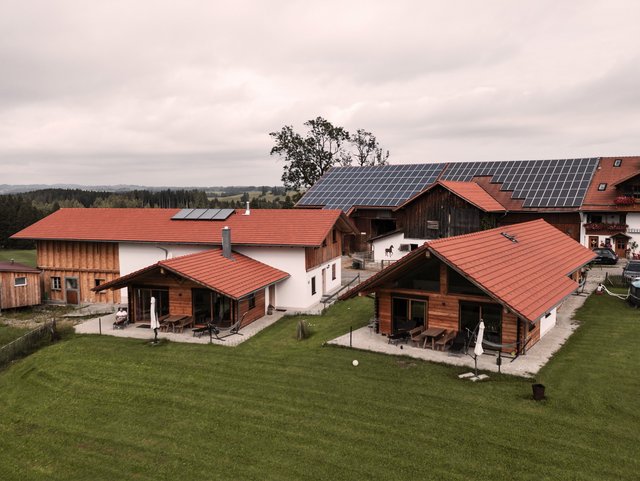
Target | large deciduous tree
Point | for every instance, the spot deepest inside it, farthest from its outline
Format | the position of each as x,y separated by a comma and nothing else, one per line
324,145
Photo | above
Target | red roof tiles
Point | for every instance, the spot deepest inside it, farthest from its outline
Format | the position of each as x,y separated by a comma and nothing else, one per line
604,200
471,192
17,267
529,276
234,278
288,227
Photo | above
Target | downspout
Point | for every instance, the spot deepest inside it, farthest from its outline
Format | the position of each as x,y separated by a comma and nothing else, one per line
166,252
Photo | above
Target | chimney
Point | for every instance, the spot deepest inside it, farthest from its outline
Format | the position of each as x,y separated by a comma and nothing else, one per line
248,211
12,261
226,242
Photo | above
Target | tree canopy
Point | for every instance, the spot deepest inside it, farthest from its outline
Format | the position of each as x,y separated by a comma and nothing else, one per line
308,157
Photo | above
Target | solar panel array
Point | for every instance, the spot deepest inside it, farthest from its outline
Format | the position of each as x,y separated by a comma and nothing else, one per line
203,214
379,186
541,183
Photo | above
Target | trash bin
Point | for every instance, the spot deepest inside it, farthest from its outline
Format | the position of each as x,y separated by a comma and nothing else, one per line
538,391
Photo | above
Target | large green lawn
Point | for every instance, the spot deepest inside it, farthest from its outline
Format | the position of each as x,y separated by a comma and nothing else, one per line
278,409
26,257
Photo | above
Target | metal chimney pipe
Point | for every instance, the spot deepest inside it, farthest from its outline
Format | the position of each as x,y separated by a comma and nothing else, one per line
248,210
226,242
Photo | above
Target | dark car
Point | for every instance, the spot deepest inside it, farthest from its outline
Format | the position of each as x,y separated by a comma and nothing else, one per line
605,256
631,271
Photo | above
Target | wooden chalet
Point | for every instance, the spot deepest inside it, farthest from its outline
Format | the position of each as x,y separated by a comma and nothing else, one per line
211,286
19,285
511,277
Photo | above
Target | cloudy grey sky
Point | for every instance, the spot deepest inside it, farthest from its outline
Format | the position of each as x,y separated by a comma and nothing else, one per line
159,92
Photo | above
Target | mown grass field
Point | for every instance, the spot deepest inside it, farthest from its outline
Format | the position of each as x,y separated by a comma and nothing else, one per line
26,257
10,333
104,408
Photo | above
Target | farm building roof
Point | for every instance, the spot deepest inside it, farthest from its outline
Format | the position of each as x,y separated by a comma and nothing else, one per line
274,227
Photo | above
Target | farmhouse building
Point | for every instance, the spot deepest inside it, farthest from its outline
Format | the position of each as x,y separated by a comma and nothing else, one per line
403,200
19,285
80,250
508,276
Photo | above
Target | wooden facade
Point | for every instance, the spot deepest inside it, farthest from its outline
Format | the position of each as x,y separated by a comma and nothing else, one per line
65,282
331,248
373,222
440,213
26,293
567,222
444,307
181,298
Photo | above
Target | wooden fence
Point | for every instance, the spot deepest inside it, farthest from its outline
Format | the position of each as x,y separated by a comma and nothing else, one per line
28,343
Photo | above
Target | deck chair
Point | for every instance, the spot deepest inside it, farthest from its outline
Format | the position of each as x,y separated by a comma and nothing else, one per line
226,331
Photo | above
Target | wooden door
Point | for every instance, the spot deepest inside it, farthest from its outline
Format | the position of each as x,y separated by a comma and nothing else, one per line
272,295
621,246
72,291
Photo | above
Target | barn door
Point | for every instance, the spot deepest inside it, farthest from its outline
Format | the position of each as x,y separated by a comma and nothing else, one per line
72,291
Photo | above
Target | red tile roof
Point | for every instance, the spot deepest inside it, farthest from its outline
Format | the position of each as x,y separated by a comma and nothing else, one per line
233,278
604,200
471,192
288,227
17,267
529,276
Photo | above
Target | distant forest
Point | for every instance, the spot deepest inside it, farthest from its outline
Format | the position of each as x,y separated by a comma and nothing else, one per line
18,211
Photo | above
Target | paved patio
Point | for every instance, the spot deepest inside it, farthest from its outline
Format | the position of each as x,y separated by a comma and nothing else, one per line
104,325
527,365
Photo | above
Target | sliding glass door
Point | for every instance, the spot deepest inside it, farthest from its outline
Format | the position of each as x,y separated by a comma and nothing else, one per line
408,313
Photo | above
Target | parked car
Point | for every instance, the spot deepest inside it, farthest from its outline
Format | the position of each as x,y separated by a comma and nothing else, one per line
605,256
631,271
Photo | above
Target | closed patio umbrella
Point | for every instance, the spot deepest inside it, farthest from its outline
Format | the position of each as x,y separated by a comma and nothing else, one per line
155,325
477,350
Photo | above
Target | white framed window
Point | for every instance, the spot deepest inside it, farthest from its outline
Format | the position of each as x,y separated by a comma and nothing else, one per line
20,281
313,285
56,284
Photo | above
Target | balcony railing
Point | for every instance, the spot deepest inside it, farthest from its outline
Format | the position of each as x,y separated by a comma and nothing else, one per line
624,200
604,227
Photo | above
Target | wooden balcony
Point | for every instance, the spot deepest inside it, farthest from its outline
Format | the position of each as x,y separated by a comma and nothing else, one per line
593,227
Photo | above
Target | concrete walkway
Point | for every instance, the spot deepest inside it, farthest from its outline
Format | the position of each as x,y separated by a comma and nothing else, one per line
92,326
526,366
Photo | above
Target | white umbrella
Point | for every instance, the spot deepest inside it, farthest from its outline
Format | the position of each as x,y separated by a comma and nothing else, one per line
155,325
477,350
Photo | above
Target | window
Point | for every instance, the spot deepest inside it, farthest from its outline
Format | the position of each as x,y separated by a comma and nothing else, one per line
602,187
97,282
20,281
333,272
408,313
404,247
55,284
324,243
313,285
252,301
617,162
335,236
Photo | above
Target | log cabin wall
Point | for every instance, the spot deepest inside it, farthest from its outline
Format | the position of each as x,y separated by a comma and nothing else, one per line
257,312
439,213
180,301
567,222
12,296
331,248
443,310
85,261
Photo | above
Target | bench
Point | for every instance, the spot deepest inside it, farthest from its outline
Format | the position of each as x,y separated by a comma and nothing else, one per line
446,340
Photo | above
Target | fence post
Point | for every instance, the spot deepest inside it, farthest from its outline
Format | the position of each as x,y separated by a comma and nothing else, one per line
100,326
350,336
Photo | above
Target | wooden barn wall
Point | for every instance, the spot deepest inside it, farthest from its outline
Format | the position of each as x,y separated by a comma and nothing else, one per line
86,261
255,313
566,222
180,301
365,221
20,296
316,256
454,216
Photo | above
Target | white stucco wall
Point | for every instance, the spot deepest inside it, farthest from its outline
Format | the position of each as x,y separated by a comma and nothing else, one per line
379,246
547,323
294,293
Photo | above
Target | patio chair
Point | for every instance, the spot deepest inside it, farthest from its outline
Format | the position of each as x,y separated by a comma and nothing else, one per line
459,343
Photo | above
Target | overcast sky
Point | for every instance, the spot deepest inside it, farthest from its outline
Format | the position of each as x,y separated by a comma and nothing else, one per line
185,93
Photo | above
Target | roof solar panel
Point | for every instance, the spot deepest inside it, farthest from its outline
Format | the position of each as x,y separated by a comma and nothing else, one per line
209,214
195,214
223,214
379,186
203,214
182,214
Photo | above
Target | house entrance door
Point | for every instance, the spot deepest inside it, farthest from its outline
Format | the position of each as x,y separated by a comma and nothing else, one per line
620,245
472,312
72,292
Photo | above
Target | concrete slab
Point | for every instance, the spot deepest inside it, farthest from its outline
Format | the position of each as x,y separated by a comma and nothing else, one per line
104,325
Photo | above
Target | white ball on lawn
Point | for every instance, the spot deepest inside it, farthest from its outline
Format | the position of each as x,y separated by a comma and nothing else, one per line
355,362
